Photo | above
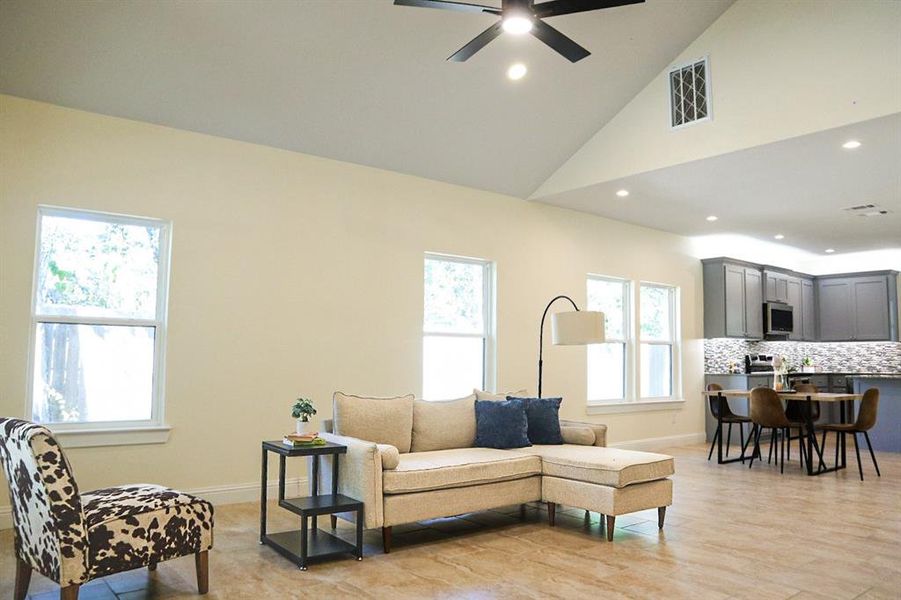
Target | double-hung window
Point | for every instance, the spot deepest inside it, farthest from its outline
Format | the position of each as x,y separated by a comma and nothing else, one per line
658,306
98,321
457,333
609,363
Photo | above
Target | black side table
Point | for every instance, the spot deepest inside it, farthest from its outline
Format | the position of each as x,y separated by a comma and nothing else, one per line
301,545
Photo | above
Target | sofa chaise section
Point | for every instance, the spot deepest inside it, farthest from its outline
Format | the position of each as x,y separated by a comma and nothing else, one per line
403,485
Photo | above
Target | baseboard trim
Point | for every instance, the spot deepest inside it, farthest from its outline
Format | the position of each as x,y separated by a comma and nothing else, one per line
661,443
222,494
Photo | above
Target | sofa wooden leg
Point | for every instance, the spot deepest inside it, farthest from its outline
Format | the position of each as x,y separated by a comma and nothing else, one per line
23,578
334,520
611,521
70,592
202,564
386,539
551,513
661,515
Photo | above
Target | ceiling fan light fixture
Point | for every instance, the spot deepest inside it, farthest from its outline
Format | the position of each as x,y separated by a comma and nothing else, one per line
517,24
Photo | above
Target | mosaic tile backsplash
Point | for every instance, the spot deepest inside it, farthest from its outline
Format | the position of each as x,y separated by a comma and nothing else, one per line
834,357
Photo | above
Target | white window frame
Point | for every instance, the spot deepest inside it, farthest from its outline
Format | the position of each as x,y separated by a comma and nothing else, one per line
628,341
489,333
104,433
707,85
674,344
634,402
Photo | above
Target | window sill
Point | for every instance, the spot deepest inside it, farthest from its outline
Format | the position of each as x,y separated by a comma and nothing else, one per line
601,408
126,436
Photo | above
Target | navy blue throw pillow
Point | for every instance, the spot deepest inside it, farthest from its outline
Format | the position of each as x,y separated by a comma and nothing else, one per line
501,424
543,415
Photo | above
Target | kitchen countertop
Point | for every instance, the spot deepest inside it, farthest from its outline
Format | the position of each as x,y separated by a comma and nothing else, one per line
845,373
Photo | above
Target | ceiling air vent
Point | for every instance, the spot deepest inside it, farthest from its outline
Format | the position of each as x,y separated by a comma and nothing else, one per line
866,210
689,93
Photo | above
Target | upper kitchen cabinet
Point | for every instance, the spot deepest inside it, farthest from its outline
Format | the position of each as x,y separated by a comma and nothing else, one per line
858,307
797,291
733,299
776,286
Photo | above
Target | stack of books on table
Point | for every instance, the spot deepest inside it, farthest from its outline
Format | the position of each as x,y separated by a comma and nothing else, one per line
303,440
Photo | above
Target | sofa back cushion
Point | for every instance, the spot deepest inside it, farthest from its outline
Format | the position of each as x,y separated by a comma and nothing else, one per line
379,420
483,395
444,424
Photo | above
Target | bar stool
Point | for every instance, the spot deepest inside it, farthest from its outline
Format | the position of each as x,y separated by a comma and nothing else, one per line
727,416
866,420
767,413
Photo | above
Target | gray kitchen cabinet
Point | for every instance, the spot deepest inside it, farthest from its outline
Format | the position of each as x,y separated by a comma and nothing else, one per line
753,303
834,299
858,308
808,311
733,299
777,286
871,308
793,289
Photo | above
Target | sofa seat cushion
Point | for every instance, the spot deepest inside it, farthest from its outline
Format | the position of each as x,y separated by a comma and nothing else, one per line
460,467
599,465
133,526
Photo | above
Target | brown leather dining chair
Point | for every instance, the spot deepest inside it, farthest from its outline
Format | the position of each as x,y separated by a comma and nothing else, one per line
727,416
796,411
767,413
866,420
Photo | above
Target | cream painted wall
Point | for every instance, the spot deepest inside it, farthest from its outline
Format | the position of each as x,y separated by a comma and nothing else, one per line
778,69
294,275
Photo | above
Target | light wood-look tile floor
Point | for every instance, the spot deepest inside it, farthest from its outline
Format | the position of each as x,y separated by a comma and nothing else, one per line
731,533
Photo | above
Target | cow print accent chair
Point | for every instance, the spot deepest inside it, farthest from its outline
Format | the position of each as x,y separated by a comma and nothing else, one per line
73,538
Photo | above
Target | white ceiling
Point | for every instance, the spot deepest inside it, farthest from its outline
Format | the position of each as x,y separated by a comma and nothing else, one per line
796,187
356,80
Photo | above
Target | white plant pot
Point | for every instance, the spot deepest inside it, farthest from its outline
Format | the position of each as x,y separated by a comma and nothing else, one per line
304,426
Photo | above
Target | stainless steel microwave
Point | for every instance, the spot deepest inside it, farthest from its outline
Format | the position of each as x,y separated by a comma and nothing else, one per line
777,318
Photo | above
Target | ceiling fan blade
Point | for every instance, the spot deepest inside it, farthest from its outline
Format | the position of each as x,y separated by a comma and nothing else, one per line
477,43
447,5
559,42
566,7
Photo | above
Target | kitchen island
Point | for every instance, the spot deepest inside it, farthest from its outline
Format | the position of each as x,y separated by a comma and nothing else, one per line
886,435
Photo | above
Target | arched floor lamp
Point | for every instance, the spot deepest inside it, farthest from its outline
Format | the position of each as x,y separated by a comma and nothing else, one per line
570,328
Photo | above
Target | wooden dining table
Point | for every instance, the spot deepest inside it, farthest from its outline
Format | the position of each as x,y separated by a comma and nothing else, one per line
809,434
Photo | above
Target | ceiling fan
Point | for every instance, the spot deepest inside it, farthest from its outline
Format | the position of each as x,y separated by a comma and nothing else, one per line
522,16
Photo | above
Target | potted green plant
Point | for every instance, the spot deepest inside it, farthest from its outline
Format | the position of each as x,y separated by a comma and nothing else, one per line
807,365
302,411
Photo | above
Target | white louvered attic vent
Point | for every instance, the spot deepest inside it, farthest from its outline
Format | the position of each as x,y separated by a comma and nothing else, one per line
689,93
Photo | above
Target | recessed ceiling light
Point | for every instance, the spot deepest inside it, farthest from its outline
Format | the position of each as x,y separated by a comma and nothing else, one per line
517,24
779,236
851,145
712,218
830,250
622,193
517,71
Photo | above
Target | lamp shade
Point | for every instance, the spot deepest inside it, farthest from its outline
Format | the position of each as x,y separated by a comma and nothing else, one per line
577,328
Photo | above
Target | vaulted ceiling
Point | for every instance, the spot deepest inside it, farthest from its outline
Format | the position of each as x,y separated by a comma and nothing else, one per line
362,81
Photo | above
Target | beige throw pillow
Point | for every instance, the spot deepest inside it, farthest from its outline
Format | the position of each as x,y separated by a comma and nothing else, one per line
379,420
444,424
483,395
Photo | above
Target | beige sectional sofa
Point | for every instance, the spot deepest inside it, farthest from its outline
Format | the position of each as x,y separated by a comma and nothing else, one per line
409,460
